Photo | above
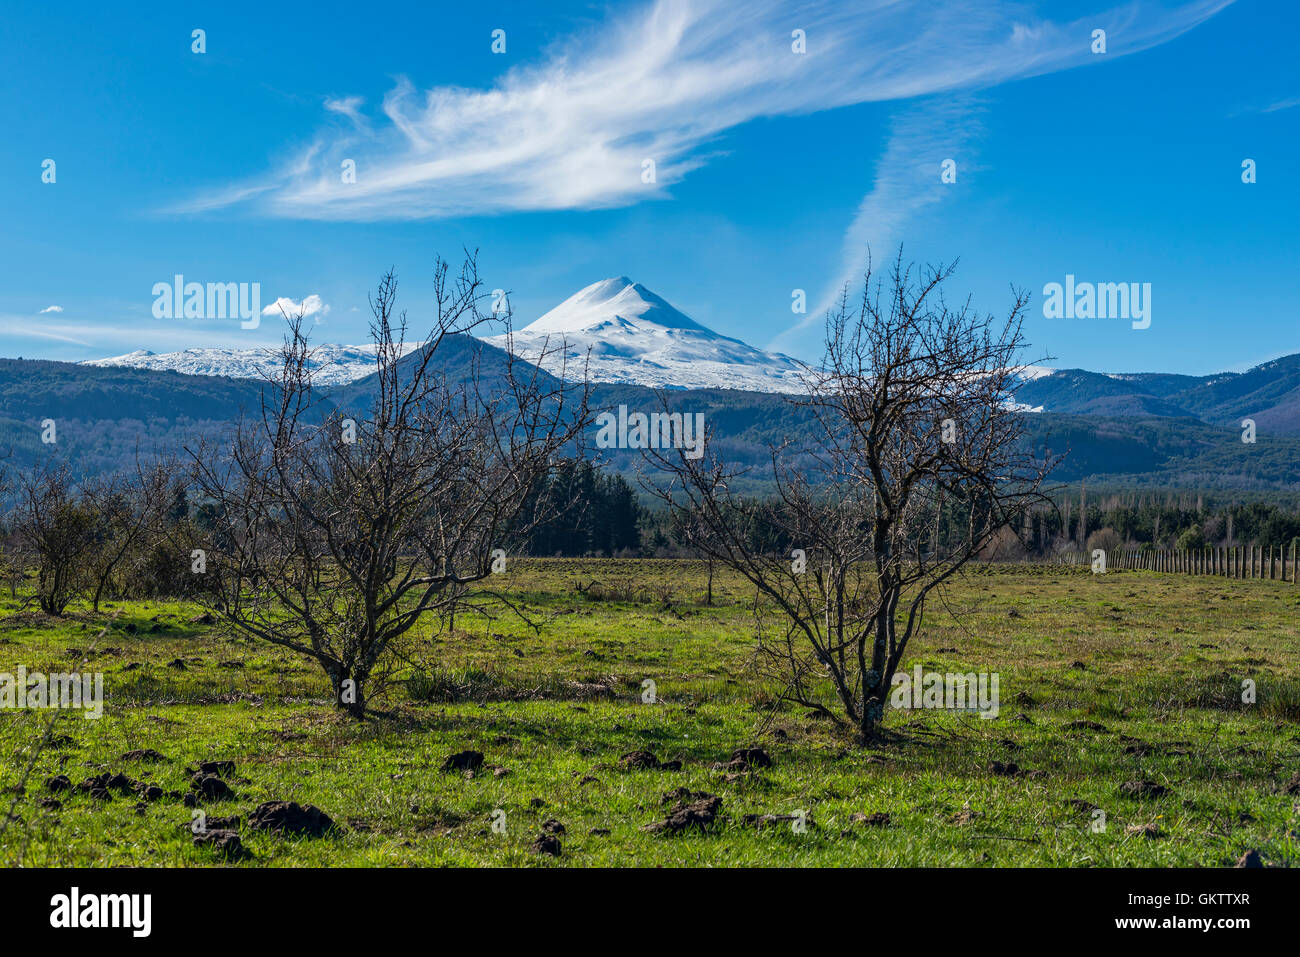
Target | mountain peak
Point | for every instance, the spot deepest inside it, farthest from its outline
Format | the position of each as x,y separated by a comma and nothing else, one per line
617,330
612,299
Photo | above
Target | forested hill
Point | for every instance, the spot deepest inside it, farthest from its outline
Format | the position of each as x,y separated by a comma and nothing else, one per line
1144,431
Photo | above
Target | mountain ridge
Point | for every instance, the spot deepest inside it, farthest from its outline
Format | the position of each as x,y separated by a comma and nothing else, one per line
106,413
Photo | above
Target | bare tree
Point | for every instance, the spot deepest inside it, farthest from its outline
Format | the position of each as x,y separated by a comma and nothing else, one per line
913,464
335,532
129,510
58,530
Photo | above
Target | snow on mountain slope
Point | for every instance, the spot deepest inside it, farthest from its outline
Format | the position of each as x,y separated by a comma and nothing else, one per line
630,335
625,332
331,364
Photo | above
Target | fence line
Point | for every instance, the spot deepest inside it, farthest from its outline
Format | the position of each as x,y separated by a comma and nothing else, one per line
1271,562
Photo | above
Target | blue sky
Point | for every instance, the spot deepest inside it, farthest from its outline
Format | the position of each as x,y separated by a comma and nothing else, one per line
774,170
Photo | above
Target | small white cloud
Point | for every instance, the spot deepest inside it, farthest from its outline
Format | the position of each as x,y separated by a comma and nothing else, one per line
51,309
349,106
310,306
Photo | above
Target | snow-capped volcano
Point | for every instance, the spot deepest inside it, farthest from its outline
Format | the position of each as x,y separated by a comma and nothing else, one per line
330,364
620,331
629,334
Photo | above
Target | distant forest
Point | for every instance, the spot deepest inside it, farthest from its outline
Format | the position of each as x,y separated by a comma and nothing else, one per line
605,516
1144,479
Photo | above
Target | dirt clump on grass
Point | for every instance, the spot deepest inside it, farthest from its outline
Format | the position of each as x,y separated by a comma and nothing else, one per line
148,755
226,844
290,817
101,786
697,812
1084,725
210,787
749,759
547,844
1143,789
762,821
220,768
642,759
876,819
463,761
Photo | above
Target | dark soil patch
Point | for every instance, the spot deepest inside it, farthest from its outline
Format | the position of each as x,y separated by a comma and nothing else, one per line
463,761
1143,789
289,817
696,814
226,844
547,844
646,760
211,787
749,759
877,819
144,754
1082,725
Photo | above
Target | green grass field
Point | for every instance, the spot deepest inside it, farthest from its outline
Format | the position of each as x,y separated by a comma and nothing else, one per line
1104,680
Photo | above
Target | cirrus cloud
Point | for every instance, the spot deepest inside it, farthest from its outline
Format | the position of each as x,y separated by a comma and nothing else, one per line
663,82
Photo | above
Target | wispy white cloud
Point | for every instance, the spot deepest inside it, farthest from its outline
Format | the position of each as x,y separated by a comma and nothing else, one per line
908,179
947,126
349,106
114,336
1282,104
48,309
662,83
22,327
1274,107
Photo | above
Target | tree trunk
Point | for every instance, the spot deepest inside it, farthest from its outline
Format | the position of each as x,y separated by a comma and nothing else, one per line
349,691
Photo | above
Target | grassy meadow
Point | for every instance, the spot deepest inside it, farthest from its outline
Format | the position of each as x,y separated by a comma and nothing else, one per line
1104,680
